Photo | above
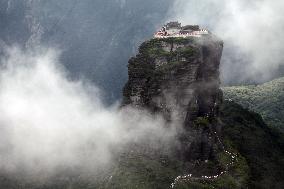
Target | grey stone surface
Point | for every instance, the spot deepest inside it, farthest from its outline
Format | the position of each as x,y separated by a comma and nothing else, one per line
179,78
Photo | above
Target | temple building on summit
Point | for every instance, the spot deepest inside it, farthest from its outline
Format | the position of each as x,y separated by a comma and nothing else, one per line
175,29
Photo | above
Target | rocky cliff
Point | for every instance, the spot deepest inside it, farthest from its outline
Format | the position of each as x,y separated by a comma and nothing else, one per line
179,78
176,76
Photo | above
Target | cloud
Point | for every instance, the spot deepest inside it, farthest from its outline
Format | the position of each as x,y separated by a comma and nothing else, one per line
48,121
252,31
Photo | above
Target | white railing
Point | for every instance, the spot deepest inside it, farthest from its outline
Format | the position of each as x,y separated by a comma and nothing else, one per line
190,177
192,34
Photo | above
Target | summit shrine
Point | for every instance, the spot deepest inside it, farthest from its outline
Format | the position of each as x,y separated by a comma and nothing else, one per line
175,29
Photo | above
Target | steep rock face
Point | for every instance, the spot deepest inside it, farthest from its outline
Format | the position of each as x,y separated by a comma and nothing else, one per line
176,76
179,78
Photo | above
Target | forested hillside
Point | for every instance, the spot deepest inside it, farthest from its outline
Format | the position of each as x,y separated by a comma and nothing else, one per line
266,99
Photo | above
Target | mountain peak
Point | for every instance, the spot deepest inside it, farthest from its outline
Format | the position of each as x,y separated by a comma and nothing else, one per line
176,73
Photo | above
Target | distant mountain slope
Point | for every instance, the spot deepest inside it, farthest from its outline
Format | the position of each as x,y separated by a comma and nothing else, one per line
261,145
266,99
96,36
